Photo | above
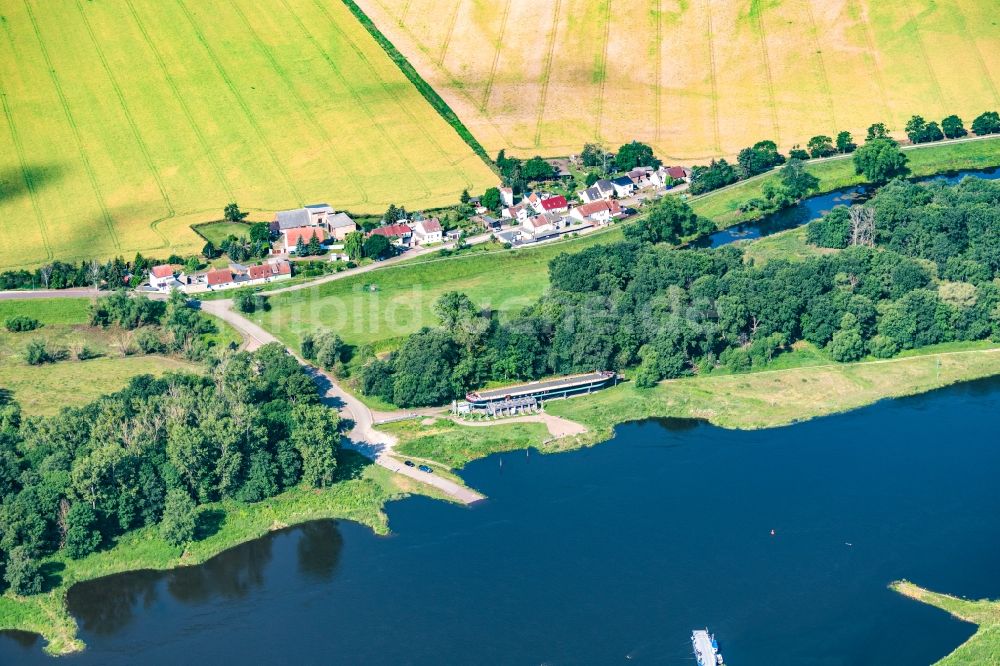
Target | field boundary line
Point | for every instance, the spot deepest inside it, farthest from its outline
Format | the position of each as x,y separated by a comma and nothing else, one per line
818,54
599,117
143,148
305,107
239,100
448,35
351,91
209,154
547,73
26,174
496,58
396,100
713,79
915,18
768,76
959,15
425,89
872,58
88,167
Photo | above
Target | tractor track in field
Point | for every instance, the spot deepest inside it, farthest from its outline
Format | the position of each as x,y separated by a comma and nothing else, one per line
963,24
599,116
451,31
26,174
310,117
915,18
818,53
547,73
242,102
658,86
872,58
208,152
354,93
768,75
88,167
402,14
405,109
143,148
496,58
713,80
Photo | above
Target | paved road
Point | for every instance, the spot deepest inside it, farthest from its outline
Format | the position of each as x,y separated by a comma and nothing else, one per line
363,436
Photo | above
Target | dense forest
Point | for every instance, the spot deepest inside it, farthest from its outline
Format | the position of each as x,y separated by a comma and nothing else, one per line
917,267
152,452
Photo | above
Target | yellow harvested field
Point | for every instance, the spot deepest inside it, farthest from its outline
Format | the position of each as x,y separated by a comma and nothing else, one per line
695,78
125,121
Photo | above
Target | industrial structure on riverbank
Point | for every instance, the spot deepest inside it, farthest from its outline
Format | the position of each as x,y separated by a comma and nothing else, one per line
521,398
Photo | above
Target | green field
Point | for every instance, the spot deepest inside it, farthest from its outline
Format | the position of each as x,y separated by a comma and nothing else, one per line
42,390
504,280
220,231
127,121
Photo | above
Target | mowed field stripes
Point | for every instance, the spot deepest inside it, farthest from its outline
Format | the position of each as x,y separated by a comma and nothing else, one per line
696,78
126,121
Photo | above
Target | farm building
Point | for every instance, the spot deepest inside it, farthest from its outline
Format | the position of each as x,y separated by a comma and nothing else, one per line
291,237
339,225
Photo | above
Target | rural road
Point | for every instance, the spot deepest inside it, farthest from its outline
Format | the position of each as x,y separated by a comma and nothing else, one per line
363,436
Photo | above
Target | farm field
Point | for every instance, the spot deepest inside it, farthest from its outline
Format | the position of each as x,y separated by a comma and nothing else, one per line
695,79
125,122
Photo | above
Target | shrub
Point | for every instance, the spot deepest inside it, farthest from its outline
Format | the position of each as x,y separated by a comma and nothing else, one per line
149,342
85,353
882,346
21,323
37,353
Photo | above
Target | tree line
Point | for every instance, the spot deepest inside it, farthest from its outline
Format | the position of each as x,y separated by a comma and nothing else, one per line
151,453
923,275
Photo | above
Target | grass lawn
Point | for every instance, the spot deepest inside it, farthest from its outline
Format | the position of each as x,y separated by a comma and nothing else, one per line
504,280
984,647
163,112
804,389
790,245
220,231
42,390
722,206
360,496
454,445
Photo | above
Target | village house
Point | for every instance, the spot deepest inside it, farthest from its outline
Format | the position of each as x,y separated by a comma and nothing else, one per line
339,225
163,277
489,223
602,190
290,237
507,196
271,271
556,204
600,212
520,212
219,278
623,186
399,234
675,173
426,232
640,177
538,224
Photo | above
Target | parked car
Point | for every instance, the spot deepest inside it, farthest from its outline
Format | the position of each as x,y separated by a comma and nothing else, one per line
425,468
408,463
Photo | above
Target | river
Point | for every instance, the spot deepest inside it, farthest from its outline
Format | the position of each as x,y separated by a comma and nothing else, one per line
611,554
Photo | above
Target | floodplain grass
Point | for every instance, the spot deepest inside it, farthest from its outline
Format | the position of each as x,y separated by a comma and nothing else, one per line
444,441
695,79
162,112
983,649
42,390
360,495
790,245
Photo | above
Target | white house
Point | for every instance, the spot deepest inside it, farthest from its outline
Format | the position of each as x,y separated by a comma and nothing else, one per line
398,234
623,186
272,271
428,231
520,212
507,196
600,212
163,277
538,224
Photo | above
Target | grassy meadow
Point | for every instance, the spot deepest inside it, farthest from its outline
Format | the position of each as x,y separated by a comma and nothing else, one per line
126,122
694,79
42,390
984,646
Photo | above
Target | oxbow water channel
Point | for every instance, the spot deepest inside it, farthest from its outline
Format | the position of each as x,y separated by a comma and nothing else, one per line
611,554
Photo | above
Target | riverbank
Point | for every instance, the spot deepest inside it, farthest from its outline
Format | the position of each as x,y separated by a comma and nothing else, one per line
722,206
359,496
984,646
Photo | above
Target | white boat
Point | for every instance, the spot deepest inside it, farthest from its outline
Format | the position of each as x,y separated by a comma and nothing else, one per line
706,650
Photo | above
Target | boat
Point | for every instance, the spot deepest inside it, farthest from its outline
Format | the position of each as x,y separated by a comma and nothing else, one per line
706,649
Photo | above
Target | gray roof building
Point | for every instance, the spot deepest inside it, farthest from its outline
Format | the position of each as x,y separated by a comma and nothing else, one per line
292,219
340,220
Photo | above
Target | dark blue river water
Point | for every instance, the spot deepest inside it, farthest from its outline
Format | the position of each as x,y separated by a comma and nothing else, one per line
612,555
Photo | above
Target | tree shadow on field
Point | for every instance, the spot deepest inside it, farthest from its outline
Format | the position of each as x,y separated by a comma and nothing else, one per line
351,465
51,575
14,182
